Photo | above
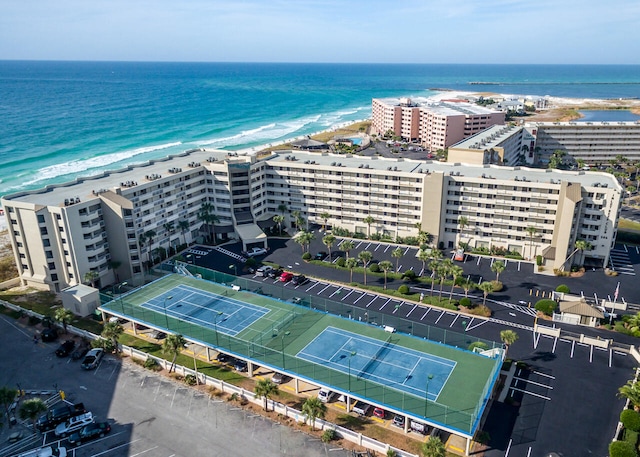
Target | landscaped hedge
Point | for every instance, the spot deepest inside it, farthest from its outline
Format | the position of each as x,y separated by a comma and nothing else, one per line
546,306
563,288
466,302
630,419
403,289
622,449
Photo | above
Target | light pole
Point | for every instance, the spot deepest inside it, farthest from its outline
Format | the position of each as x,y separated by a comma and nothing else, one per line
215,324
351,354
282,347
426,395
118,288
234,267
164,305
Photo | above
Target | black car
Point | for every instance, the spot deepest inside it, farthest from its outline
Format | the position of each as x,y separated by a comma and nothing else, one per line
223,358
298,280
49,334
89,432
240,365
65,348
275,273
320,255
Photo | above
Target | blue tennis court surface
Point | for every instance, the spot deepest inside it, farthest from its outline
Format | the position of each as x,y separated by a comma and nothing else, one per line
383,362
227,315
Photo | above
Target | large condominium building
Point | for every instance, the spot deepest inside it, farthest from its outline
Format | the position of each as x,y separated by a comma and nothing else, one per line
95,224
593,142
436,125
498,144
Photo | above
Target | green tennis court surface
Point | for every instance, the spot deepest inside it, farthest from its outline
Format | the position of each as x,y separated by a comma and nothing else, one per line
396,371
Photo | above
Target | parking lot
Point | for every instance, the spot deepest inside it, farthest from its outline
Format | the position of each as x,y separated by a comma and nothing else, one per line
150,415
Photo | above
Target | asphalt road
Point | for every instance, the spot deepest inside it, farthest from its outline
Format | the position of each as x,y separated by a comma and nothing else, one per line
150,415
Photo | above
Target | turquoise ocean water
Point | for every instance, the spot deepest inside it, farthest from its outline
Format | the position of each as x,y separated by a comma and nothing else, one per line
60,120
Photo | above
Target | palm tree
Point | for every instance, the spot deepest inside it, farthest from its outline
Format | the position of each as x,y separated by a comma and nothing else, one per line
498,267
632,323
385,266
31,409
434,265
631,391
463,222
365,257
346,246
295,214
443,271
112,331
508,337
150,235
368,220
304,239
91,277
325,217
423,256
433,447
173,345
328,242
486,288
313,408
279,219
423,238
456,272
282,208
466,286
209,219
184,227
266,389
7,397
351,264
531,230
169,227
64,316
397,254
580,245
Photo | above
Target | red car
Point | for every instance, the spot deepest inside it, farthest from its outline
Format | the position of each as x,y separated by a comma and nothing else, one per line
379,412
286,276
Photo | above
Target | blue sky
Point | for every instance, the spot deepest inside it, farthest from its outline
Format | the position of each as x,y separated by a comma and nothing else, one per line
393,31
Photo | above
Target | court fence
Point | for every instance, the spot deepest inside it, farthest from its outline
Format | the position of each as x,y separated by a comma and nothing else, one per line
298,416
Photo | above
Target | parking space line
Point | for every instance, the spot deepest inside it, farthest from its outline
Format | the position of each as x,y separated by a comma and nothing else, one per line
338,290
425,313
374,299
387,248
439,317
367,246
544,374
358,245
454,320
350,292
377,246
325,288
360,297
314,284
399,268
528,381
530,393
385,304
412,309
406,250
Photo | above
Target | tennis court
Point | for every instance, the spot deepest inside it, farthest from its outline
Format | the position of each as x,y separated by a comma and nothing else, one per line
382,362
218,312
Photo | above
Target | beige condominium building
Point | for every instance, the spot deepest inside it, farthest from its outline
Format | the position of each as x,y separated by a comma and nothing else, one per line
593,142
95,224
498,144
436,125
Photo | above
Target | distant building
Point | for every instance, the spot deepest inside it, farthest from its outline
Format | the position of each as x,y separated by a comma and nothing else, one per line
435,125
498,145
593,142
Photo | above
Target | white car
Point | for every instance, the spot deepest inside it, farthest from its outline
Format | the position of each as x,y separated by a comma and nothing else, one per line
253,252
325,395
92,359
46,452
74,424
264,270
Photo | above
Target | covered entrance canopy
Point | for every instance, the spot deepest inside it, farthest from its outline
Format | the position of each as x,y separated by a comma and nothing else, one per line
251,234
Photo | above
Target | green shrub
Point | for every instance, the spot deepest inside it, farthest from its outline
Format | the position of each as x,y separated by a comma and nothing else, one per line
409,275
190,380
251,262
630,419
403,289
563,288
482,310
622,449
306,256
341,262
631,437
497,285
546,306
150,364
466,302
374,268
539,260
328,435
478,344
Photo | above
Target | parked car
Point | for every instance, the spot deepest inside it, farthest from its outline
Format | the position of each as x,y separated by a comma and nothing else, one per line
89,432
398,420
361,408
279,378
48,335
73,424
275,273
240,365
326,395
419,427
298,280
80,351
379,413
223,358
59,414
320,255
264,270
286,276
254,252
48,451
158,335
93,358
65,348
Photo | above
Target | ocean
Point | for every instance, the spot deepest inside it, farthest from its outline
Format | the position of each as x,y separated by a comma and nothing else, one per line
61,120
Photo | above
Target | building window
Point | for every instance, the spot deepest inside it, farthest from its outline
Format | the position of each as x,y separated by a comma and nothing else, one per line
40,219
43,231
46,243
54,277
